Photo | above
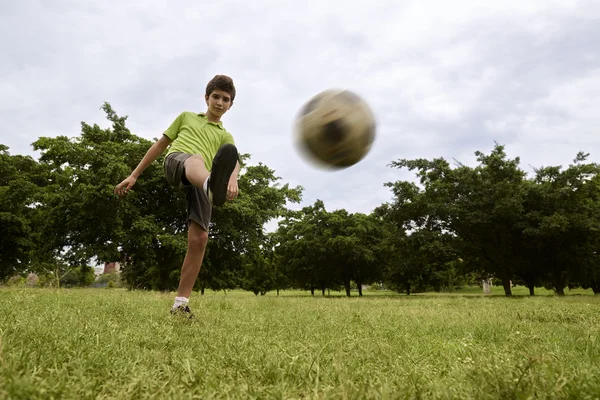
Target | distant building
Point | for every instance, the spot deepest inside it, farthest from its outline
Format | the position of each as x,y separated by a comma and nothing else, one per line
112,267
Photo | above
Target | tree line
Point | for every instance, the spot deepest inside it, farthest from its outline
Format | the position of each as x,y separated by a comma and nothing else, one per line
453,225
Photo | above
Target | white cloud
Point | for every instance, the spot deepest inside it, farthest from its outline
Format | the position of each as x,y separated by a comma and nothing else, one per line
444,79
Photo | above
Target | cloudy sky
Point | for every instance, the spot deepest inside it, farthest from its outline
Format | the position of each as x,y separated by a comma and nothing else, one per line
443,78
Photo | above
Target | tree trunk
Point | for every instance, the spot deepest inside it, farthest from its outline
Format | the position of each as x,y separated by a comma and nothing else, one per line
277,292
559,284
506,285
359,288
347,286
596,287
312,290
408,289
323,288
202,290
530,283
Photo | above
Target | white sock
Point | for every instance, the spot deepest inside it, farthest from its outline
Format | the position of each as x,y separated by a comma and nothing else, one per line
205,188
180,301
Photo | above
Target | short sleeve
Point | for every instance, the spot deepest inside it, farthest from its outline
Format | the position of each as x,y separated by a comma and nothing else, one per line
227,139
173,130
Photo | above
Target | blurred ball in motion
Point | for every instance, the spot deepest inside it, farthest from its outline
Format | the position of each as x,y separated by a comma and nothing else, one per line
335,129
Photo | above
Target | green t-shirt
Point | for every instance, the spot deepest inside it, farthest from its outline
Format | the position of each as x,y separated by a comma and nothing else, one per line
193,133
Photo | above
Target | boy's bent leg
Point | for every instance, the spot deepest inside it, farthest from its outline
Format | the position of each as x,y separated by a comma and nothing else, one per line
197,239
195,170
183,170
223,166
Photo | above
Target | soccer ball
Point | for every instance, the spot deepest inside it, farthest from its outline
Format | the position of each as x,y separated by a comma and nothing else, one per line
335,129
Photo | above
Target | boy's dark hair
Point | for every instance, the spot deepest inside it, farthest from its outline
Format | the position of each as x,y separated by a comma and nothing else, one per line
221,82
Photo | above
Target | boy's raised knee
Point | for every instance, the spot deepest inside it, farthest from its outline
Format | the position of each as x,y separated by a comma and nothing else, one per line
231,146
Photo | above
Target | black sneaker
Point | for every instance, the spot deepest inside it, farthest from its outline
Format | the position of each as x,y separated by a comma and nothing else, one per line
182,310
223,165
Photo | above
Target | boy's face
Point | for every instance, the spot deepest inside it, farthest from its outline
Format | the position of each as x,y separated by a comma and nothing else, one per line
218,102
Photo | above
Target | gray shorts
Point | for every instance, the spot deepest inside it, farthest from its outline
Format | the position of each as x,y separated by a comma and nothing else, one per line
198,207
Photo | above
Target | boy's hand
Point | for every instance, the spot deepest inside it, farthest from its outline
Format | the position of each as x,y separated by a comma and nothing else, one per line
232,188
122,188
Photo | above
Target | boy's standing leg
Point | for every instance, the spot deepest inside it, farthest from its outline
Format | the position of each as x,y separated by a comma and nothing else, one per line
196,246
188,171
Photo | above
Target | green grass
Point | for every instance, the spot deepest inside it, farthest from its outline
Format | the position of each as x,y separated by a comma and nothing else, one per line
115,344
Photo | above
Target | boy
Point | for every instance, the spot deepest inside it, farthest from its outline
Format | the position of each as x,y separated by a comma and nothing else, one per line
203,161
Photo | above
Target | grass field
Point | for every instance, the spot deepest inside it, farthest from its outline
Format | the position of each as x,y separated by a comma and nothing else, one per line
115,344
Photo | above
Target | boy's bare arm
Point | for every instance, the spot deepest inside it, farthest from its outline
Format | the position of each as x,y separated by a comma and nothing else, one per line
236,171
151,155
232,187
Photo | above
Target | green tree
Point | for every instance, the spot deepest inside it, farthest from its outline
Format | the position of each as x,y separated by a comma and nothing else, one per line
21,178
263,271
318,249
419,260
481,206
563,221
351,242
82,215
81,276
302,250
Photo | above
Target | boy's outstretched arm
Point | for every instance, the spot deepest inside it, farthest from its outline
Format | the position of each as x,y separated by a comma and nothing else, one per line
152,154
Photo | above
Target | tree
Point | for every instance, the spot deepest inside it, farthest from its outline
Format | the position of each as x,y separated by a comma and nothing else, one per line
419,260
302,250
481,206
21,178
320,249
85,218
260,274
563,221
263,271
351,247
78,276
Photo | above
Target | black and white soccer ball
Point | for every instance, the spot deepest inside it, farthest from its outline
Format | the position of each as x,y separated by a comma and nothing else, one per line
335,129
